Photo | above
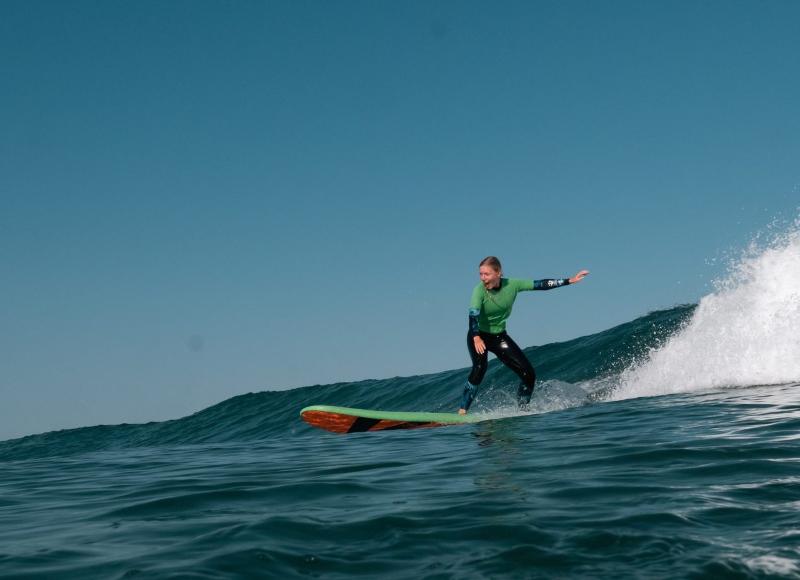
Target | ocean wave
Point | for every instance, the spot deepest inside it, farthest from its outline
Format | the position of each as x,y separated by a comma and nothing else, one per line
742,334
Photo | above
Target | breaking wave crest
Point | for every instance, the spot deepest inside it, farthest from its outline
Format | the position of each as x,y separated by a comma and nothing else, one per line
746,332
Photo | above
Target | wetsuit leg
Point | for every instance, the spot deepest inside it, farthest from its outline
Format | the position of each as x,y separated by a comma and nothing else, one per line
480,362
512,356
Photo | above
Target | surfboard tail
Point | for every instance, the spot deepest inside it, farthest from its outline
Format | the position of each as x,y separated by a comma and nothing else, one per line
347,420
338,423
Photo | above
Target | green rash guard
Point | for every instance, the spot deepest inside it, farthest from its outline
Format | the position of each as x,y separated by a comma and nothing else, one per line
491,308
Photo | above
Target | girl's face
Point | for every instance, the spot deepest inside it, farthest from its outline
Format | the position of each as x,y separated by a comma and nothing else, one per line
489,277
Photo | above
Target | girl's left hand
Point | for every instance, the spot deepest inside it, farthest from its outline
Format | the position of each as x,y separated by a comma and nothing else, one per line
579,276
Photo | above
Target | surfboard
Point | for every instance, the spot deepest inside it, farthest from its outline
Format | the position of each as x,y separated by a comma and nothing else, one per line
347,420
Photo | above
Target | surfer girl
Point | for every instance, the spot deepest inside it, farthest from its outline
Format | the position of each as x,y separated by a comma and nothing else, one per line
490,307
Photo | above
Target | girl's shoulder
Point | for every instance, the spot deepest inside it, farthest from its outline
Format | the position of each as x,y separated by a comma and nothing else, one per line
518,283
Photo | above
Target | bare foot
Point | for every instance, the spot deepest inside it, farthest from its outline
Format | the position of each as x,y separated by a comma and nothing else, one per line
462,411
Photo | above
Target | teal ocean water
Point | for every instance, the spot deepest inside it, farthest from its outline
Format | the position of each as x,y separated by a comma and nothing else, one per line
666,447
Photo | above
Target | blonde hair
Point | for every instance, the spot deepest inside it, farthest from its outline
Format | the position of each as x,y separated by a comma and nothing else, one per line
492,262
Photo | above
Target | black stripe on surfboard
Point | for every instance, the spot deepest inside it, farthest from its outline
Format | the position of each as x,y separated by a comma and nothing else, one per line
362,424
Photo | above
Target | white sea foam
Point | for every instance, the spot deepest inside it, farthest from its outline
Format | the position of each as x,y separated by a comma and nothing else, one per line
747,332
772,565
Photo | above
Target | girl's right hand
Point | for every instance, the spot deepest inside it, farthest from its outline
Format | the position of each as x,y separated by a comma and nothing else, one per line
480,347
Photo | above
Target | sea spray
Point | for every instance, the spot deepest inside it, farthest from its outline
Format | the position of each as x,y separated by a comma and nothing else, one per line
747,332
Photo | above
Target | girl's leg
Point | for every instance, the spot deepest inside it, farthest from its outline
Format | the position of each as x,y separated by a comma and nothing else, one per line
479,365
512,356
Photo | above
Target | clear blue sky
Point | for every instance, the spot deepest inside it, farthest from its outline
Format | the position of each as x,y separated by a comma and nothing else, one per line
201,199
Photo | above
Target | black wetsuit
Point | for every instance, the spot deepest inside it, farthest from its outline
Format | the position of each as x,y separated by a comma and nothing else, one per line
511,355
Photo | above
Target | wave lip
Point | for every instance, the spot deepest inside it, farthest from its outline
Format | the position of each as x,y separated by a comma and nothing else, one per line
743,334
